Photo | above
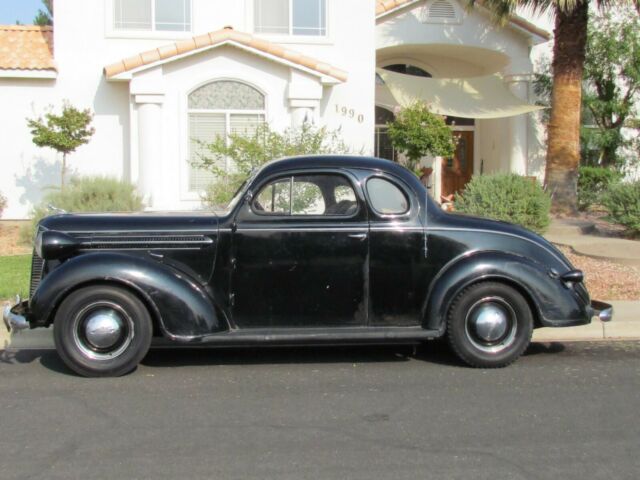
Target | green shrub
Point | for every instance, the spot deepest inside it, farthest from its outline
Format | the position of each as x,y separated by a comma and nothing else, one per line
507,197
247,152
87,194
416,132
622,201
592,183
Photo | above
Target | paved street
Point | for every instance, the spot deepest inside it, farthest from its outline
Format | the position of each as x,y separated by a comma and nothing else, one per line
563,411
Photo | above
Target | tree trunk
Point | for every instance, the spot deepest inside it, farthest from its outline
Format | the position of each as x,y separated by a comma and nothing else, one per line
64,171
563,143
609,155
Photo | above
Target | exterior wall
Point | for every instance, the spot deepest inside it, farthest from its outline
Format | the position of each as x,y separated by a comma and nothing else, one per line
502,49
471,46
85,43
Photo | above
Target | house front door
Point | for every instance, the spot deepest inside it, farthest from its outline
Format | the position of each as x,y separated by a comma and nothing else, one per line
457,171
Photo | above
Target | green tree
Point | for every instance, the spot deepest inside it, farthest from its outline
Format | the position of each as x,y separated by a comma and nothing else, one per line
611,87
563,132
44,17
64,133
247,152
416,132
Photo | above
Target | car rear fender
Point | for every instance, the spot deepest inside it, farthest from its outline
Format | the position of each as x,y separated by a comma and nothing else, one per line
183,308
551,302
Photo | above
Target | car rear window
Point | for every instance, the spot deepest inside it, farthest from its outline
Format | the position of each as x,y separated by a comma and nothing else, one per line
386,197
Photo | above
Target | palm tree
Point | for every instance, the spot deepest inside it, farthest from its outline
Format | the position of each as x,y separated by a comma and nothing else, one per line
563,139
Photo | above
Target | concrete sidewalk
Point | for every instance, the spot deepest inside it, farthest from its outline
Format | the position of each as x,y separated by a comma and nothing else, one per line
579,236
624,326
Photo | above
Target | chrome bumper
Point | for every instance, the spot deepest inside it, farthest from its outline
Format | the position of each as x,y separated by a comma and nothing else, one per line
602,310
13,320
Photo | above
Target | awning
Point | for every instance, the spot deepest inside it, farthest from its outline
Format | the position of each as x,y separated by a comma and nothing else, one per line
475,97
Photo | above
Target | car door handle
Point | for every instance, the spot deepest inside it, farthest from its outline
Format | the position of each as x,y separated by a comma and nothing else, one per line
359,236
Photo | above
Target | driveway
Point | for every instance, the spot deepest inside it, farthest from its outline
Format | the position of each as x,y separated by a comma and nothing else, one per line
563,411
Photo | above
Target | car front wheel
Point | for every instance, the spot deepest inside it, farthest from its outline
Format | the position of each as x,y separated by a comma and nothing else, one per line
489,325
102,331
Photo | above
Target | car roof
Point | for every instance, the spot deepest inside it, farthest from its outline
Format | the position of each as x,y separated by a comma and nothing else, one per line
333,161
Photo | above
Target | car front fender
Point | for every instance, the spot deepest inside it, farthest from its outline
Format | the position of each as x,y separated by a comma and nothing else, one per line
552,302
182,307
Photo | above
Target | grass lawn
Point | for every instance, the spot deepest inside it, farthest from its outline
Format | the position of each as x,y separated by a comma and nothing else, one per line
14,276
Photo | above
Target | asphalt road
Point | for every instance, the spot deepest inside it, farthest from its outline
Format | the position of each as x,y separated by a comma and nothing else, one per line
563,411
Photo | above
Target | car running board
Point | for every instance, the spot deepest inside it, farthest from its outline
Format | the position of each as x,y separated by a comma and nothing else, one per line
316,336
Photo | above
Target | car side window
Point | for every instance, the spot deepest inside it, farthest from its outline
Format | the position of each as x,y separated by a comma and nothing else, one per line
386,198
312,195
274,198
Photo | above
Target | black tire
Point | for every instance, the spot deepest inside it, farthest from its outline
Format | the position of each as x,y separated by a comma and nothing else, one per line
83,349
476,321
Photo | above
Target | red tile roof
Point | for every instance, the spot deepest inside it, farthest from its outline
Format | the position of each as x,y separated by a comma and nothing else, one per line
217,38
26,47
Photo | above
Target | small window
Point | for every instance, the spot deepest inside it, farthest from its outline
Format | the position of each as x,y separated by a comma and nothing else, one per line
291,17
152,15
317,195
386,198
407,69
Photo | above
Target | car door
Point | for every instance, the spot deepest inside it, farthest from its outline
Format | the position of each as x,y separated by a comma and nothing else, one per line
300,253
397,275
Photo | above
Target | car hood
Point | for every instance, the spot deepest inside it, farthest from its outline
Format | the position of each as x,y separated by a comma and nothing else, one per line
132,222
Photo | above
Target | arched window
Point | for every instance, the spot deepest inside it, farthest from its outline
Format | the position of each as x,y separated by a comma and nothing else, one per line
217,109
407,69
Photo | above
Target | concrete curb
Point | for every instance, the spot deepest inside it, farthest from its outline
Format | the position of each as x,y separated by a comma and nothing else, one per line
624,326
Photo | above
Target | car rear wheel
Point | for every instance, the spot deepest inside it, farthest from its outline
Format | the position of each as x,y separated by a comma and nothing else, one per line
102,331
489,325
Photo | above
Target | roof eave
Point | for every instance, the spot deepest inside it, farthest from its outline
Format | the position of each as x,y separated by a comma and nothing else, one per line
46,74
128,75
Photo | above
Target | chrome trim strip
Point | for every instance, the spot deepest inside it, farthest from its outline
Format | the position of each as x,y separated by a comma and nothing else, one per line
106,249
119,232
305,229
391,228
98,241
326,229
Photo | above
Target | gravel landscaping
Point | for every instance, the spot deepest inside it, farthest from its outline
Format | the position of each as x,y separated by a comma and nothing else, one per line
607,280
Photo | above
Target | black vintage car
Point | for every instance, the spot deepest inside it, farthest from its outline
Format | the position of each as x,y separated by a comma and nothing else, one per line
312,250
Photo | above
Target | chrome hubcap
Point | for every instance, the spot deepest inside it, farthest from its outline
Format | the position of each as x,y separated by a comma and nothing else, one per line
102,330
491,324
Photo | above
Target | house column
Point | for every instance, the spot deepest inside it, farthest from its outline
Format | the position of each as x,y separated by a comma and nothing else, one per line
149,145
304,93
519,126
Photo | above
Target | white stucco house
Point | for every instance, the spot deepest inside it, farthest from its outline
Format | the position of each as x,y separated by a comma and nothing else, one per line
160,74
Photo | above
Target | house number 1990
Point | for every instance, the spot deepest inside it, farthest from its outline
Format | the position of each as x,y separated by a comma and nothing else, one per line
349,113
